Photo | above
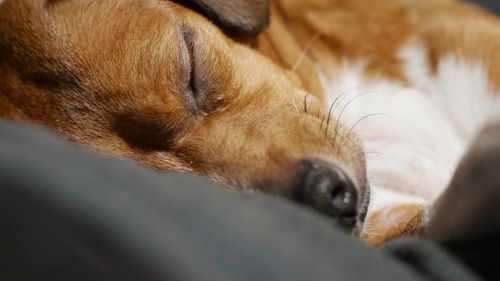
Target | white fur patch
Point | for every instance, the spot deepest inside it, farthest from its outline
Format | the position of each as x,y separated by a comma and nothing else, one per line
417,134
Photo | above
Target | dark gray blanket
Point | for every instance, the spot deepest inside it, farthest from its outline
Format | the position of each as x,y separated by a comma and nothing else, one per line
67,214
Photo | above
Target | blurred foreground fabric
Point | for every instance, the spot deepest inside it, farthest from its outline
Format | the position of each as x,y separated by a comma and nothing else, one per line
68,214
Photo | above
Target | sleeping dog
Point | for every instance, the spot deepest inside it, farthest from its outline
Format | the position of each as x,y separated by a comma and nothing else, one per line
202,86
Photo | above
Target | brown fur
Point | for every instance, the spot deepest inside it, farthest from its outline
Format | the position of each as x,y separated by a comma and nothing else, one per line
375,31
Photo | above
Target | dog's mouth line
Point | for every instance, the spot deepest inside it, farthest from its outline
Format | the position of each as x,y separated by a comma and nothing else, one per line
362,212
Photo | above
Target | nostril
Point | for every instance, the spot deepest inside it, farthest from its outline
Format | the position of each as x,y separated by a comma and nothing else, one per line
344,198
329,190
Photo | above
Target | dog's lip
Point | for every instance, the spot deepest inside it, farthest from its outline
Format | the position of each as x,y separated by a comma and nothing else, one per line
362,211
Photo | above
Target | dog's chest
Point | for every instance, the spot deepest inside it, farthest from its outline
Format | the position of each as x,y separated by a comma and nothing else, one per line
413,135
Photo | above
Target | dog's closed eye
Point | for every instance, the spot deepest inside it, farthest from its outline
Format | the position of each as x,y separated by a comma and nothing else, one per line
204,83
193,92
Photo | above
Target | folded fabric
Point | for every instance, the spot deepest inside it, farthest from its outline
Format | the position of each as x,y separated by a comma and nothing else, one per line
69,214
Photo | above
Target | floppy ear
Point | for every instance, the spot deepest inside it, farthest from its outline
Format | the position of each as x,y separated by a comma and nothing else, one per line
244,17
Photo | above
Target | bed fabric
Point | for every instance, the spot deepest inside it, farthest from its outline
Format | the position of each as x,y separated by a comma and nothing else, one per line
68,214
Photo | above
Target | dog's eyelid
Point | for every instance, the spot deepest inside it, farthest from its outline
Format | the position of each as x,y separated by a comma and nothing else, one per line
187,47
202,91
193,91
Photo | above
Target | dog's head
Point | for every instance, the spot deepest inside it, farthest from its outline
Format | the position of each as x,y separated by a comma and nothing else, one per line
158,82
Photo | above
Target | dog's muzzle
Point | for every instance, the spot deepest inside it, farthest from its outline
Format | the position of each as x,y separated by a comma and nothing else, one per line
327,189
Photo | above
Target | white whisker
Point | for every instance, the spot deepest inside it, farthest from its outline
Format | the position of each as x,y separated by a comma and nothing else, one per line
303,54
295,106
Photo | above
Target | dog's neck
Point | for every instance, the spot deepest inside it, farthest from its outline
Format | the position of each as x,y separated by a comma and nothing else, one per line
299,41
292,49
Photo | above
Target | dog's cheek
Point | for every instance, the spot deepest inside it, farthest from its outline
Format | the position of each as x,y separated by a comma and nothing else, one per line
149,130
248,148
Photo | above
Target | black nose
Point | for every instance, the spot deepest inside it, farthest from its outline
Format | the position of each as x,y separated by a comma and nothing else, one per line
329,190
